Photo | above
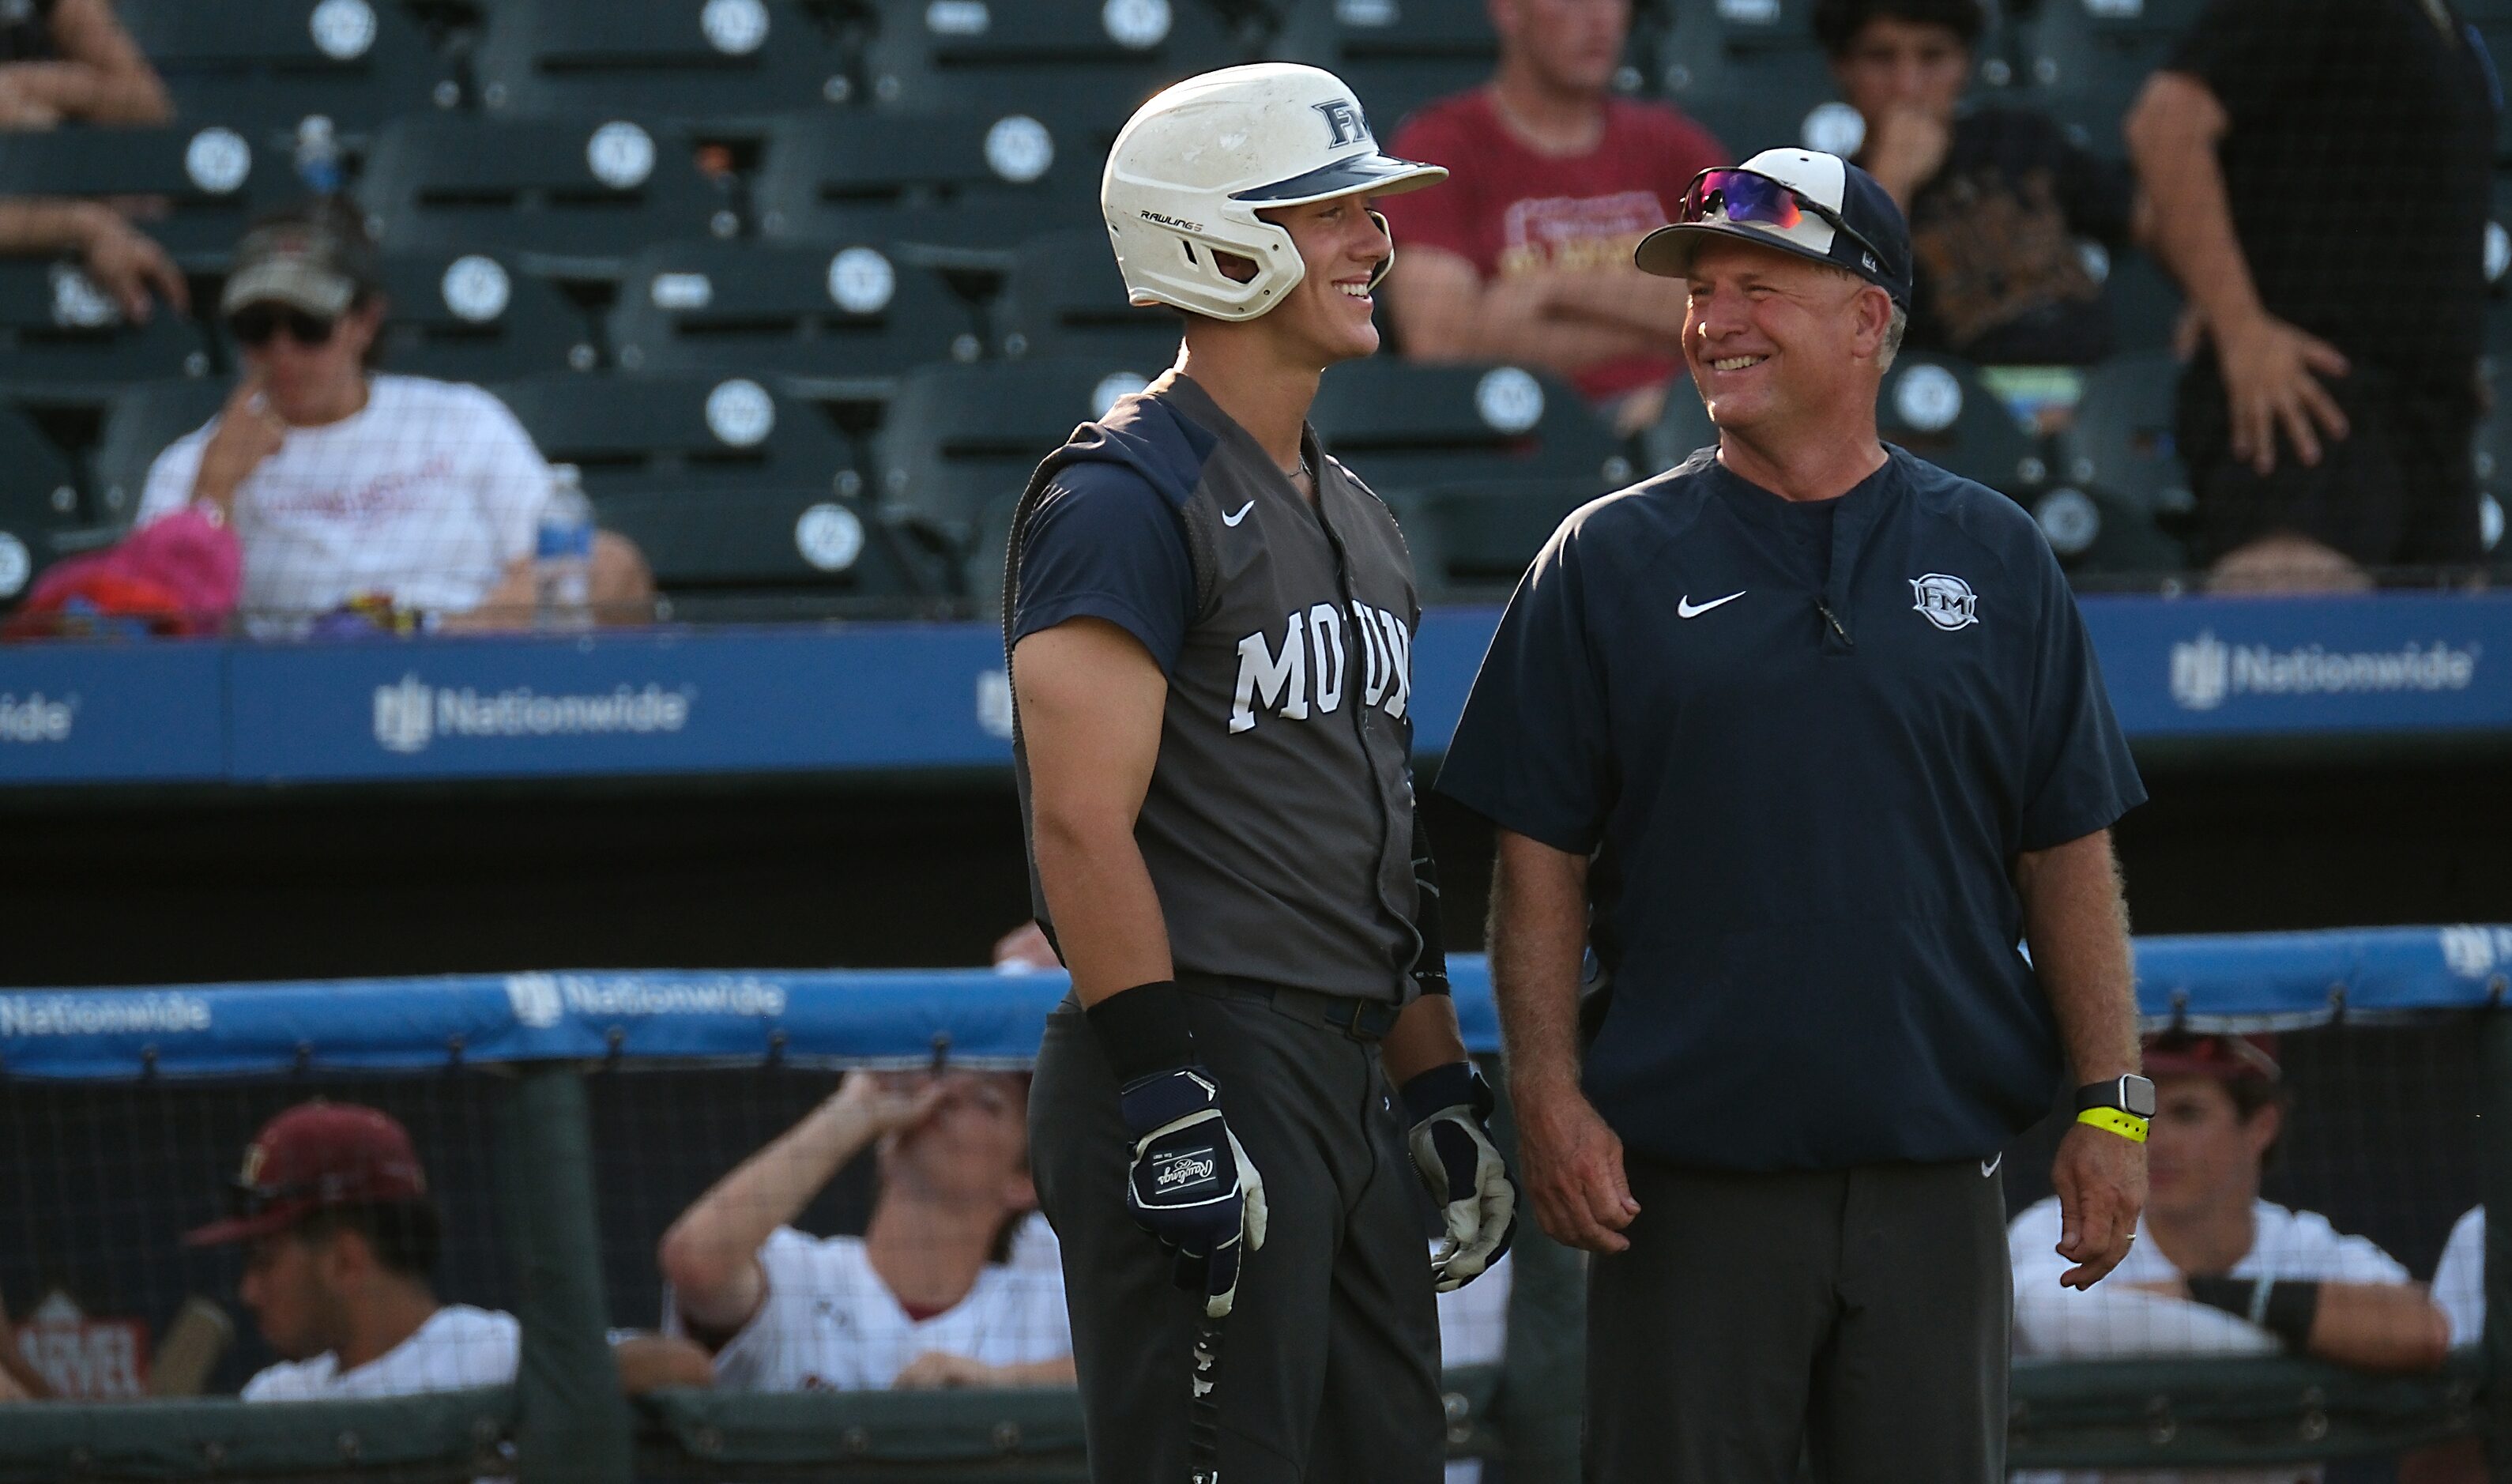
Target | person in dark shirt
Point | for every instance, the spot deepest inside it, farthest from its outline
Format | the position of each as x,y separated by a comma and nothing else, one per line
1999,199
2320,179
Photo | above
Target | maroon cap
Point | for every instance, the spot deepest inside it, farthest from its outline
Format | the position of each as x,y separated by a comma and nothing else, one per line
313,1156
2226,1057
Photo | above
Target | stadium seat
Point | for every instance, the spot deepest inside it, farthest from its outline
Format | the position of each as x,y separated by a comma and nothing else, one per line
39,504
959,439
1936,407
138,425
1065,297
1472,541
474,317
64,340
2084,61
1680,430
209,179
680,434
980,181
2143,302
1080,67
262,65
657,58
574,197
1400,425
769,552
2119,451
1752,74
833,323
1397,55
2494,462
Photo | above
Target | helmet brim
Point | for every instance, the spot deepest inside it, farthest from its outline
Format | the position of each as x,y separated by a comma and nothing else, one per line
1371,174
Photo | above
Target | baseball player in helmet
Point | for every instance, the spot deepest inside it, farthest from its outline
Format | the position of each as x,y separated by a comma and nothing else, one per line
1209,625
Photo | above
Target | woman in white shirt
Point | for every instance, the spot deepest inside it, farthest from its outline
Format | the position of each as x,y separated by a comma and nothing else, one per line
353,489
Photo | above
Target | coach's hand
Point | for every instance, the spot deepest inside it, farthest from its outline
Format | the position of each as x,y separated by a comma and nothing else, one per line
1572,1165
2272,374
1451,1144
1192,1186
2101,1181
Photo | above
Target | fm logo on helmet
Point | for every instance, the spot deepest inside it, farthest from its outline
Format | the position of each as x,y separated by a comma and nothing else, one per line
1345,118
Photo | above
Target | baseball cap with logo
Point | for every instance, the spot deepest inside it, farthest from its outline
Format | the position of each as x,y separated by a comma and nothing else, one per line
1799,201
313,1156
314,265
2225,1058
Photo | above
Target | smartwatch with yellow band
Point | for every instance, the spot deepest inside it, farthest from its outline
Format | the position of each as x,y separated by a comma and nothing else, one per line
2124,1105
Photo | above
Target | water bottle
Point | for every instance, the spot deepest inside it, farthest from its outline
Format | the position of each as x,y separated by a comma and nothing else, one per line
318,155
563,557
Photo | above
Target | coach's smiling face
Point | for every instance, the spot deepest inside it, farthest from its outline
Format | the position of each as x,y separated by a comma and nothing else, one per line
1777,344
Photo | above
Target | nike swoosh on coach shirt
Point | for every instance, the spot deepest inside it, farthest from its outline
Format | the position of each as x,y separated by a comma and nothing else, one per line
1685,608
1234,520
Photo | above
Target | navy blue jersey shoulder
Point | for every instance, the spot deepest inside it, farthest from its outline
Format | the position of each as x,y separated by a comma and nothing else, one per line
1105,537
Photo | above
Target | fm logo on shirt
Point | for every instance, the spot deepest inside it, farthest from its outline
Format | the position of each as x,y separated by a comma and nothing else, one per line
1308,671
1947,602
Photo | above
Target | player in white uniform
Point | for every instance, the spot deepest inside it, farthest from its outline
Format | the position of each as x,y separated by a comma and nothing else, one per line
2216,1270
342,1235
927,1297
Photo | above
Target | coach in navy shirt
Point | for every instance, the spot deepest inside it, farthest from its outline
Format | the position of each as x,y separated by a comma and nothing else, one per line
1805,738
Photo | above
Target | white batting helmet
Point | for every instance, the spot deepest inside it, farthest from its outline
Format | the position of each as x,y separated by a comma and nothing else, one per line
1193,166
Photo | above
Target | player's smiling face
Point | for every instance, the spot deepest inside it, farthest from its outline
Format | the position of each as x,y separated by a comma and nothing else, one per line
1340,243
1774,341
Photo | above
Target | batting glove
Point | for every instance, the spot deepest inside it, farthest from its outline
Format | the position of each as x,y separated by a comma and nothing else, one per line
1451,1144
1192,1186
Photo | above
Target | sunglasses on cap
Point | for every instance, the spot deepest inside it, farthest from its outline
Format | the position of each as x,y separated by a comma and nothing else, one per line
254,324
1741,196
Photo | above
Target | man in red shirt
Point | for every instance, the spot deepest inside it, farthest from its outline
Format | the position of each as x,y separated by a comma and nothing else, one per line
1525,255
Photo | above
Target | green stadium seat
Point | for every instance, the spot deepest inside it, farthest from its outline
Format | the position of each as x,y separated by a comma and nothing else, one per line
1680,430
2143,302
1400,425
209,177
2084,61
657,58
263,64
1064,296
40,514
1472,541
138,425
680,434
1082,66
838,323
64,340
572,197
1397,55
2119,452
1936,407
769,553
2493,460
958,438
962,182
1752,74
474,316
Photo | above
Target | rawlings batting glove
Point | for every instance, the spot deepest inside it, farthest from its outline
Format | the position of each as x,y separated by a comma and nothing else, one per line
1452,1148
1192,1186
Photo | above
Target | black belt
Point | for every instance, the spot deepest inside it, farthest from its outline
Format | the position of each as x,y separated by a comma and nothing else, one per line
1363,1020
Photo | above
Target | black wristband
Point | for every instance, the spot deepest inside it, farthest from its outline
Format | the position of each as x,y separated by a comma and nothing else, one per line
2231,1295
1144,1029
2291,1309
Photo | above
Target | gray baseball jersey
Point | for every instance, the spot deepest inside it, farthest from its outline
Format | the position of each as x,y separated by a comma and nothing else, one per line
1278,824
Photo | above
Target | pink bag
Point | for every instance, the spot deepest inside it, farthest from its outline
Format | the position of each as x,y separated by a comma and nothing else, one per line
179,574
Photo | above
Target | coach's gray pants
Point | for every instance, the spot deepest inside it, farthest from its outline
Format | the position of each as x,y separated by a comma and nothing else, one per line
1855,1317
1331,1360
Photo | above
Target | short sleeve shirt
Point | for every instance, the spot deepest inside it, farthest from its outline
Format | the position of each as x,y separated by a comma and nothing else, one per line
2399,107
456,1349
1804,784
1509,210
829,1323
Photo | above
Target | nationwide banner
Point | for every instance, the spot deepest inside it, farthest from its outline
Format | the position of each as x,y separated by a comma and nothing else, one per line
928,1018
888,698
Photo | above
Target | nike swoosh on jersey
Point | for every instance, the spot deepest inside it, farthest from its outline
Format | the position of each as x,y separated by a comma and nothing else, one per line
1685,608
1988,1167
1233,520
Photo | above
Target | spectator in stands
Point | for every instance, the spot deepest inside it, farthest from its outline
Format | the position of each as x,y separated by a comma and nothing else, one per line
352,490
1525,255
2215,1269
1998,199
125,262
931,1293
2319,173
65,60
343,1239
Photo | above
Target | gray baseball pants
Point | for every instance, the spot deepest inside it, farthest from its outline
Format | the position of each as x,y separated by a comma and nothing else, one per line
1331,1360
1856,1318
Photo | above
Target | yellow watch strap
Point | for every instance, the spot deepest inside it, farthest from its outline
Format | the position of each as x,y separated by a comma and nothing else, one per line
2127,1125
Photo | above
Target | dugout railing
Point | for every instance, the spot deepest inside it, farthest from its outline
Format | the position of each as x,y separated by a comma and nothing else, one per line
534,1075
